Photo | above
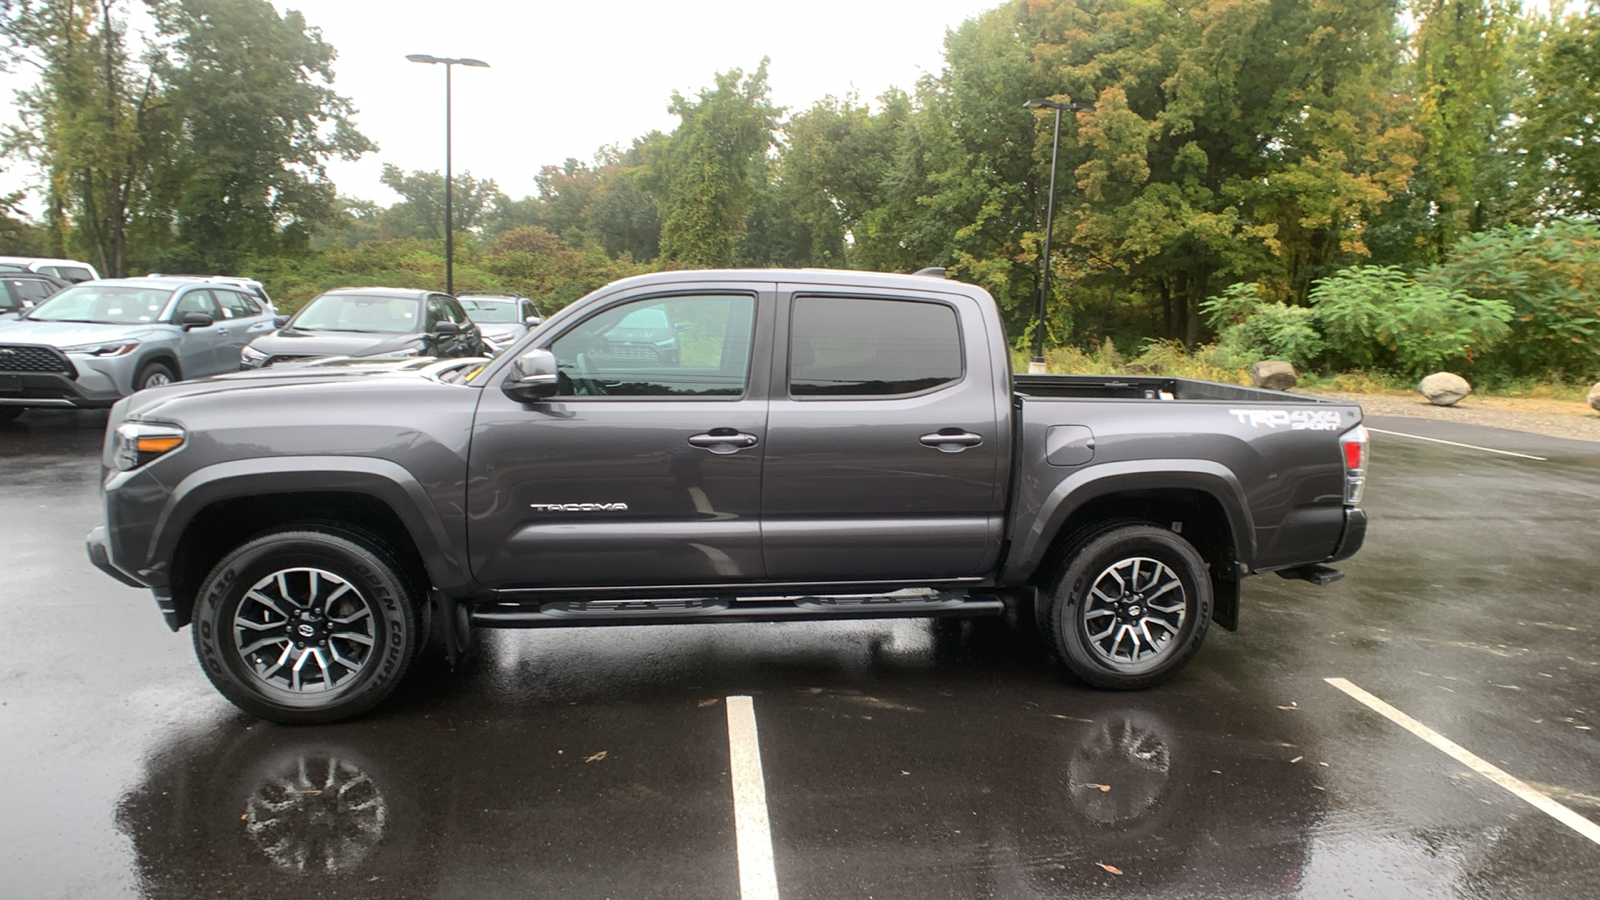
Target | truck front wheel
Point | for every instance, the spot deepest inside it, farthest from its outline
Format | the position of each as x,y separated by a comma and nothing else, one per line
305,626
1129,608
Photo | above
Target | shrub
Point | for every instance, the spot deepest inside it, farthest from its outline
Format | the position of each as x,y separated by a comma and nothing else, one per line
1378,316
1550,277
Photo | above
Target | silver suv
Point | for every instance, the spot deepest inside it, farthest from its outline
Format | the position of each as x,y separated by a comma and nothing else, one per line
96,342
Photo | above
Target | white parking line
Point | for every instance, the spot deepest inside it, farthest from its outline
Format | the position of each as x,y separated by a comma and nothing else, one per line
1460,754
1418,437
758,879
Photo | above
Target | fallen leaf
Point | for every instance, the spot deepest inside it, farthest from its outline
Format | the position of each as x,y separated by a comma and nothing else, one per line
1102,788
595,758
244,817
1109,868
705,703
904,772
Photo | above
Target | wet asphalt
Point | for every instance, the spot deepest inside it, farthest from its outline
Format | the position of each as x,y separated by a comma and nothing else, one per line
902,759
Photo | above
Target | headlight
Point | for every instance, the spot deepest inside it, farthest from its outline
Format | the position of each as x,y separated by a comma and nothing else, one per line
252,358
140,442
404,351
116,348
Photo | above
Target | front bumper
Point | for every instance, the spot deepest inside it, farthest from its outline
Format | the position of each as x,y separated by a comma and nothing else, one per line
95,544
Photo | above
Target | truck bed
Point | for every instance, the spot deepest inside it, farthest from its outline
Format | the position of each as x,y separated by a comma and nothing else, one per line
1147,387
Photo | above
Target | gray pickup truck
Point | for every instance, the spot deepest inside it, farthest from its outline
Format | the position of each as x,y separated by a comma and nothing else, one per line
778,445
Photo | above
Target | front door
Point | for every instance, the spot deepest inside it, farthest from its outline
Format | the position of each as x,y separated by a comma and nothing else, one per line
883,441
646,468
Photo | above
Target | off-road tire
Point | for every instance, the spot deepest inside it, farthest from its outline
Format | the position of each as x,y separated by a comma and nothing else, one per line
351,571
1146,644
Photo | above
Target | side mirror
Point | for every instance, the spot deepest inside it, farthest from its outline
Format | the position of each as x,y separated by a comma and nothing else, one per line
443,328
196,320
533,321
533,377
279,321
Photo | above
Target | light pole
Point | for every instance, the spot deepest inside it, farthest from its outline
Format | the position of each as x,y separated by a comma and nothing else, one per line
1036,365
449,223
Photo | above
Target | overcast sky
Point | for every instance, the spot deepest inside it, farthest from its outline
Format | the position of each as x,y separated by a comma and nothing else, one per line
569,78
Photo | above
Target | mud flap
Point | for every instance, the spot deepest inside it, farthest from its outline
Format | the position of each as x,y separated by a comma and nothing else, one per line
1225,601
455,625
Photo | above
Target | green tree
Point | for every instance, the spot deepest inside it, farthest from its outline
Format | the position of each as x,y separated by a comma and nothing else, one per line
1559,136
420,212
704,175
260,119
95,123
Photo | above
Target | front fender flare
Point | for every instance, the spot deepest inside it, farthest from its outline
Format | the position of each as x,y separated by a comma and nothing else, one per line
442,553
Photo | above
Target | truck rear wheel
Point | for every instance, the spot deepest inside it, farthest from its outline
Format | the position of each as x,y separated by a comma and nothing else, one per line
1129,608
305,625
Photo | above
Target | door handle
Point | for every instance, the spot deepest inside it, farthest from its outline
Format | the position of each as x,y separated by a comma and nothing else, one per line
951,440
723,440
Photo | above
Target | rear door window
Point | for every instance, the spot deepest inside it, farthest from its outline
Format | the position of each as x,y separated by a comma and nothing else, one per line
872,347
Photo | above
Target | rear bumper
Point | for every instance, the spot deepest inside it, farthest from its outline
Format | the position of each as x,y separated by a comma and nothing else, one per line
1355,534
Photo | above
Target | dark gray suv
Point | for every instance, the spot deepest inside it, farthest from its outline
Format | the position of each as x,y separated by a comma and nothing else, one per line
372,321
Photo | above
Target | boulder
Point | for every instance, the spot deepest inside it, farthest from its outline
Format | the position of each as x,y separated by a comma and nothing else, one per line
1594,397
1444,388
1274,375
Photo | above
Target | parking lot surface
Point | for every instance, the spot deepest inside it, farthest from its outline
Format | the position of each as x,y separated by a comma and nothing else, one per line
905,759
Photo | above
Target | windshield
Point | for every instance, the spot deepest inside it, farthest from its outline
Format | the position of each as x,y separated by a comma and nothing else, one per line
492,312
360,312
103,305
12,267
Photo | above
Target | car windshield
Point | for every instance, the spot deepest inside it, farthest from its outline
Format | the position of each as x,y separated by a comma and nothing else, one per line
492,312
12,267
103,305
360,312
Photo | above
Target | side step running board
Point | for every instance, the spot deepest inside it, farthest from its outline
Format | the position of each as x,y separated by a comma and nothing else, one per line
908,604
1317,575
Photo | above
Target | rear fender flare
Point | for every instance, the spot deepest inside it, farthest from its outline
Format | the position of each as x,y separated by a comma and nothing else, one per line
1034,539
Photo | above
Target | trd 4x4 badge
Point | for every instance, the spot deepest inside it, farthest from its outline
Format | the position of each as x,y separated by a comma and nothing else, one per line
1297,420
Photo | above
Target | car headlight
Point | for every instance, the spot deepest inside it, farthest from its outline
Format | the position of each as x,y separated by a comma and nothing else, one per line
138,443
253,358
115,348
412,350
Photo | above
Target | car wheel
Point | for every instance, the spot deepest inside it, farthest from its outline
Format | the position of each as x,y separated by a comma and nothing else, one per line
153,374
306,625
8,414
1129,608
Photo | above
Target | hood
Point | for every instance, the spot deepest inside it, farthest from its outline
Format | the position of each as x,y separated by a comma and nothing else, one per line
318,377
290,342
69,334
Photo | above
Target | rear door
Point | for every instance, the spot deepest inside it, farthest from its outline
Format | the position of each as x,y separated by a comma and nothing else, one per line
646,468
883,440
246,320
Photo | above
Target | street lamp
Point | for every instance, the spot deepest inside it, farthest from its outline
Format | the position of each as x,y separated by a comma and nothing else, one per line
449,223
1036,365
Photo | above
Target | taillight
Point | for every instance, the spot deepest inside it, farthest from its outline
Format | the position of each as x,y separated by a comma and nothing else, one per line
1354,445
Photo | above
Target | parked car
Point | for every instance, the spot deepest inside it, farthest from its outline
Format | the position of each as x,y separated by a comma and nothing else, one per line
503,318
66,269
22,291
99,341
249,284
373,321
832,445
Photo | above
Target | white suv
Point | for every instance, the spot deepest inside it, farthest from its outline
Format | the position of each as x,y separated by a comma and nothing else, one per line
66,269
